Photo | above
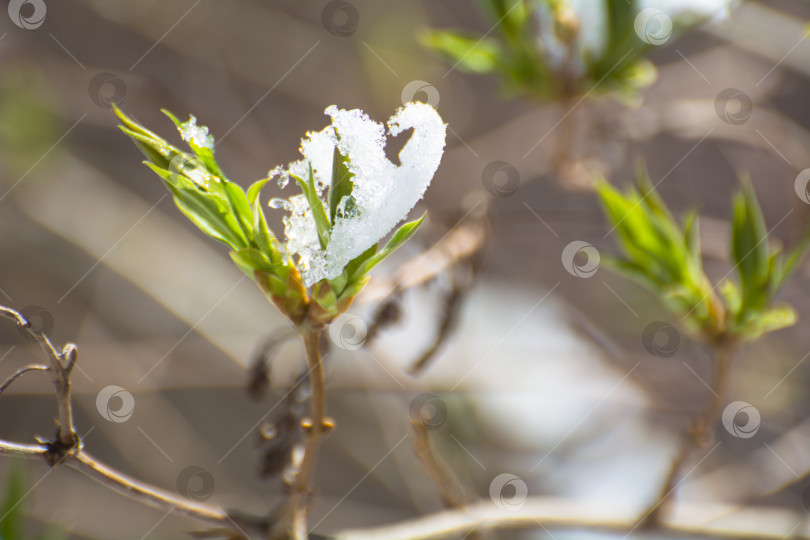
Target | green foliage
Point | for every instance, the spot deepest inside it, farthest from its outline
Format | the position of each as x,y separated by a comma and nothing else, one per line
226,212
761,269
664,255
12,510
517,49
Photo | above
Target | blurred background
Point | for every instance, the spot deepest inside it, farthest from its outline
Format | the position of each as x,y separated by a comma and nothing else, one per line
578,384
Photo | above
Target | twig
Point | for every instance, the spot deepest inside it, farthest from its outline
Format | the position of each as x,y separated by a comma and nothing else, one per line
314,426
452,308
452,492
81,461
67,450
697,437
559,515
259,371
22,371
61,364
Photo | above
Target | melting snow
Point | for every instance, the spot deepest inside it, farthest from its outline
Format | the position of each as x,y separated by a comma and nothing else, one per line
383,193
191,132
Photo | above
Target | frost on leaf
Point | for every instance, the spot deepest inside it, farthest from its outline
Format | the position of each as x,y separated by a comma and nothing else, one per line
382,194
198,135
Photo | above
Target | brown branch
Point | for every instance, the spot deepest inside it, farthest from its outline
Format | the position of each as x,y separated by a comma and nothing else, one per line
315,426
61,364
452,492
560,515
20,372
165,500
90,466
463,279
697,437
66,448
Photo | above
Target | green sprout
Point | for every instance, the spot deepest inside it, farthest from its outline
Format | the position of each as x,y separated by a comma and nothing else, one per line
664,255
549,50
228,213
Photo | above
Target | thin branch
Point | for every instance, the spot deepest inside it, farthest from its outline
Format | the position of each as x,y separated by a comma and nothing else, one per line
22,450
67,450
315,426
452,492
59,370
157,498
21,371
41,339
89,466
463,279
561,515
699,436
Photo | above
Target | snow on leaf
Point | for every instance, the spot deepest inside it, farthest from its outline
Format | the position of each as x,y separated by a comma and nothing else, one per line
191,132
383,193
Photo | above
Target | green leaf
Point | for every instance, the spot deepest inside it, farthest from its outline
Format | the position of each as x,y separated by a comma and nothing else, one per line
354,286
731,296
339,283
749,248
770,320
661,254
402,235
793,260
240,206
472,54
205,154
254,190
356,263
209,211
316,206
250,260
135,127
157,153
342,182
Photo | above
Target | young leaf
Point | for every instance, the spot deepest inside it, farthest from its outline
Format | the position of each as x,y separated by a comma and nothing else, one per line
402,235
749,248
342,182
316,206
208,211
793,260
205,154
471,53
254,190
240,206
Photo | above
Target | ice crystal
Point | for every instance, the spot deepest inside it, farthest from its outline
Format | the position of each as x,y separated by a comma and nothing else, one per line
198,135
383,192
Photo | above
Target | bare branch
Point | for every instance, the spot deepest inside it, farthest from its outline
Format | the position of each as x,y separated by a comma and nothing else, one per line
698,436
559,515
452,492
22,450
67,450
315,426
88,465
463,278
22,371
164,500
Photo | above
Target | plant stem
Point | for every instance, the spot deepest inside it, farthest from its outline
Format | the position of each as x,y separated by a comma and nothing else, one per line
315,423
698,436
550,516
451,491
150,495
66,448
